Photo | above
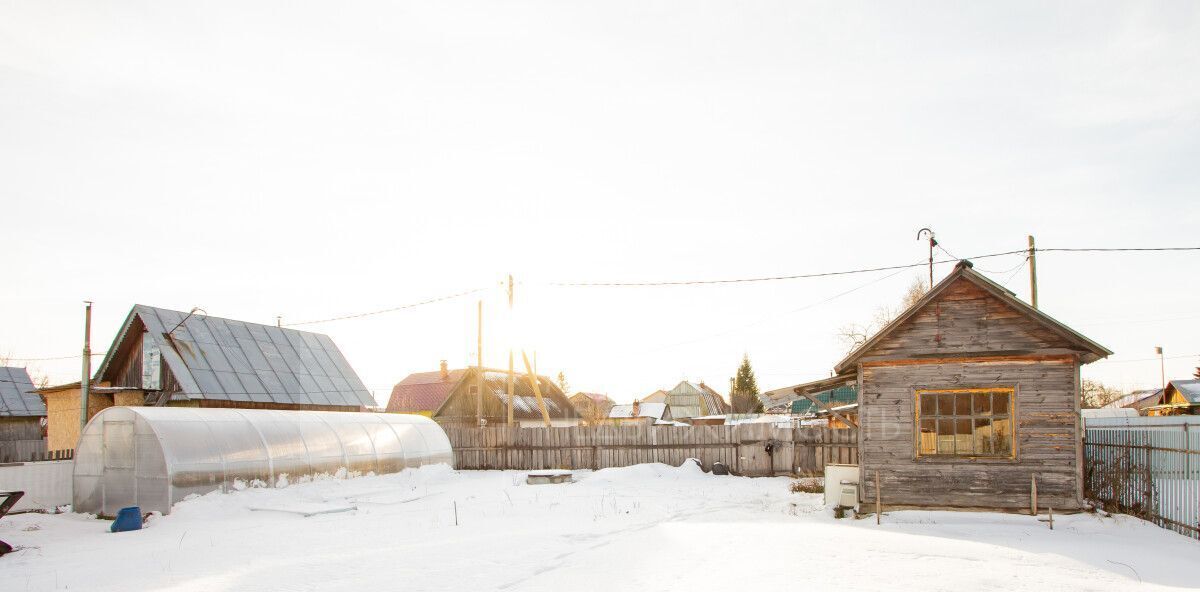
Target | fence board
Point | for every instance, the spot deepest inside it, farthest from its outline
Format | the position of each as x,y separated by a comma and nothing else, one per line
1150,471
742,448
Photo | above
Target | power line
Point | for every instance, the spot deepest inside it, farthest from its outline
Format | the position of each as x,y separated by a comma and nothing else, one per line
1154,359
387,310
857,271
772,278
1119,249
74,357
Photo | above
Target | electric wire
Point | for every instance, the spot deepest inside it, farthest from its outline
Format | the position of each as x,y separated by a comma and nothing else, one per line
387,310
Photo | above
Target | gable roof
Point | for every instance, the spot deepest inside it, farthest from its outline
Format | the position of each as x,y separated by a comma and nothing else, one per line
525,405
594,397
17,396
223,359
655,410
1090,350
1189,390
423,391
693,400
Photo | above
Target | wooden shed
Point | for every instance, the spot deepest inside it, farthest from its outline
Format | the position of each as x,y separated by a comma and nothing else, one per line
22,417
968,397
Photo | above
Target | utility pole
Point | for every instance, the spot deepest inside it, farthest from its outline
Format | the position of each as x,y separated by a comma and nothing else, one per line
1162,367
932,243
1032,273
479,372
85,385
511,377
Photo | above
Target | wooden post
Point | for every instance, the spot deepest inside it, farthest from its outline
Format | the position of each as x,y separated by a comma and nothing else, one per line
878,501
1033,505
537,389
1051,511
511,386
511,376
1033,300
479,376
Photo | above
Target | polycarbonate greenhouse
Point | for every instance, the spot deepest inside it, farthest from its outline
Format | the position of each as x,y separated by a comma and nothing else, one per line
153,457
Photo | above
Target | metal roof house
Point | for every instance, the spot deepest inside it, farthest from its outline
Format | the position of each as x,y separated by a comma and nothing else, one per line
164,357
1181,397
694,400
22,414
650,413
449,397
592,407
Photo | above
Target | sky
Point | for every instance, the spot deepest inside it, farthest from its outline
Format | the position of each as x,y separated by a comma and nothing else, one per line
307,160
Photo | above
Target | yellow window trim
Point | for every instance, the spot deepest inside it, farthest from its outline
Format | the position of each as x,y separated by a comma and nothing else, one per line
1012,402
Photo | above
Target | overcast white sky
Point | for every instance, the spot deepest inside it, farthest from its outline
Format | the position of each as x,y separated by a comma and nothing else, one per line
313,159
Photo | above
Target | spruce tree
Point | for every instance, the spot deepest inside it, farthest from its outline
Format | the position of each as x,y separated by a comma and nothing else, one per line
744,397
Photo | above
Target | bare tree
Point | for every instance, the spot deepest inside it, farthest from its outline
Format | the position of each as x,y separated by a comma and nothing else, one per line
1095,394
854,335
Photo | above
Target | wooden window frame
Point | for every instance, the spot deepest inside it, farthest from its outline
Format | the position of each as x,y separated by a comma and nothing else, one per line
1012,391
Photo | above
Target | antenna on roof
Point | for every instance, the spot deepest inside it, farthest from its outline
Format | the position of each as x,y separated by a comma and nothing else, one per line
189,315
932,243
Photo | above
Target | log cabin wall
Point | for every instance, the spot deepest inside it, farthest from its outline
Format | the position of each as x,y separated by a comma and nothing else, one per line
1045,432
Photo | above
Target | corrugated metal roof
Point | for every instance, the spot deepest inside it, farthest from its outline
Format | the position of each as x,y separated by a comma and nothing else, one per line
1189,389
1134,397
423,391
842,395
655,410
223,359
17,396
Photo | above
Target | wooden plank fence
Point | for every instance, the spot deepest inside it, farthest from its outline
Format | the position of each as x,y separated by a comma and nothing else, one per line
747,449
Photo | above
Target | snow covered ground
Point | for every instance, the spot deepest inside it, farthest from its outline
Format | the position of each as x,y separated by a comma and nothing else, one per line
647,527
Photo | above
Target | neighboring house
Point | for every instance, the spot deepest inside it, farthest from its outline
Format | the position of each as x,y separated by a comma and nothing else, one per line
422,393
659,396
1139,400
1181,397
640,413
22,417
450,398
967,397
165,357
689,400
591,406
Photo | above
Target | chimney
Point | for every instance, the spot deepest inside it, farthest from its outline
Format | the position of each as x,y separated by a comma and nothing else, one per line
637,407
445,371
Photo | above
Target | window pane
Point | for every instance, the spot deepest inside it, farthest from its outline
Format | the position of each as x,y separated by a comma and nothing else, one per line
962,436
1000,403
962,404
928,404
1002,427
983,403
983,436
945,438
928,436
945,404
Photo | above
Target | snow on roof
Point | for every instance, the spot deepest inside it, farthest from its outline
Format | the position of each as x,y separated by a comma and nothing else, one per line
1189,389
655,410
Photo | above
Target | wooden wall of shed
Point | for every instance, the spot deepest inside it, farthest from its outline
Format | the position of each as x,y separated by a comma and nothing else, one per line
21,439
62,415
1046,435
966,320
126,368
